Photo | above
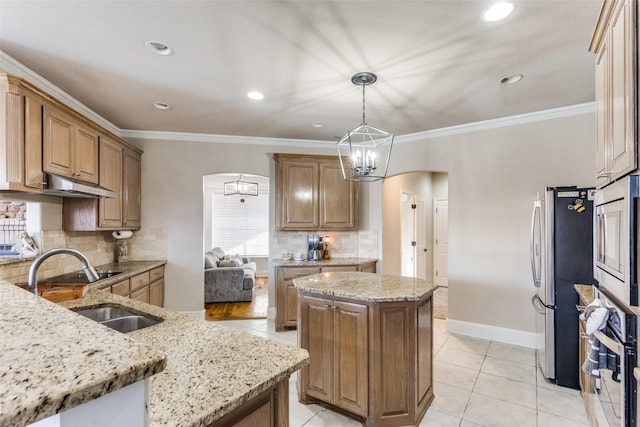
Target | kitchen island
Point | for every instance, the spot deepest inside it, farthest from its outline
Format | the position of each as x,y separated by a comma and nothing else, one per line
199,373
370,342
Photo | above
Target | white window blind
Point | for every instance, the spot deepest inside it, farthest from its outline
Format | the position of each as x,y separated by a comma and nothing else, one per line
241,228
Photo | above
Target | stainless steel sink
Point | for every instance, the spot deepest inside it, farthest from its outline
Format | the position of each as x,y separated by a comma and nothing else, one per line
119,318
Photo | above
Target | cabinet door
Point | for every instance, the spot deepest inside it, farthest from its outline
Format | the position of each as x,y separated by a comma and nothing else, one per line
110,210
57,146
317,338
141,295
156,293
339,268
85,152
338,199
351,353
602,114
32,141
622,98
121,288
297,204
368,268
131,189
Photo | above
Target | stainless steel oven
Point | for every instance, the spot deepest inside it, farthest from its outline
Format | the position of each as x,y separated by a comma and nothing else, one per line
616,389
614,243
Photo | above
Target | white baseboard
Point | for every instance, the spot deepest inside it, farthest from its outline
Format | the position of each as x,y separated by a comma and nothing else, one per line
197,314
493,333
271,313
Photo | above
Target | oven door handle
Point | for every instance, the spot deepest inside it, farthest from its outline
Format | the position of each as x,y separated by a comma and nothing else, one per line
612,345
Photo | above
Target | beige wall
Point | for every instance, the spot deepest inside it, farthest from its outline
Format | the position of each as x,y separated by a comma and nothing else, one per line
493,176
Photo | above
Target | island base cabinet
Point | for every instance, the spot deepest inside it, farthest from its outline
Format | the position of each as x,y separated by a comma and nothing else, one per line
269,409
372,360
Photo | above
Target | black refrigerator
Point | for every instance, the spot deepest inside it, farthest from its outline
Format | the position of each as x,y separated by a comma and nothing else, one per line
561,256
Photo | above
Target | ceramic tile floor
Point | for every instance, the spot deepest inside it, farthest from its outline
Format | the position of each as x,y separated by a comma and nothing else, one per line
476,383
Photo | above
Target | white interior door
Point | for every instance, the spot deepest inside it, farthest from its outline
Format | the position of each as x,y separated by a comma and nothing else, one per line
441,242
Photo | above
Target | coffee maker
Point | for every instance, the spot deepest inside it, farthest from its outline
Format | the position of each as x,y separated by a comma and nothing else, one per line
316,247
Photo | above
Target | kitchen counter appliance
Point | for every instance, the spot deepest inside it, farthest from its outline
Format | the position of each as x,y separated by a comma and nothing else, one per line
561,256
316,247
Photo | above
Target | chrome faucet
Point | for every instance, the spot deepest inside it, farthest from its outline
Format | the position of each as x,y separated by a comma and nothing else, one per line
92,276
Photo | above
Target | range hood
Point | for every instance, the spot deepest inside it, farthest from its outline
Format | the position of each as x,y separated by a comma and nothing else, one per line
66,187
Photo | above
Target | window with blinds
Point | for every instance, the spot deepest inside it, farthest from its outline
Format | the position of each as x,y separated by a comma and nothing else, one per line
241,228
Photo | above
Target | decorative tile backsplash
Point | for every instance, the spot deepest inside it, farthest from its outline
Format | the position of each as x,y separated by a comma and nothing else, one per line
99,247
343,244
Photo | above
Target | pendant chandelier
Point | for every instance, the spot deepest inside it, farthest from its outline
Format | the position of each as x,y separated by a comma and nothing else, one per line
240,188
365,150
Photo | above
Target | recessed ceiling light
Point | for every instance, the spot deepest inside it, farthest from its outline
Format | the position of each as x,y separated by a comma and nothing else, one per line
317,125
498,11
158,47
161,105
255,95
509,80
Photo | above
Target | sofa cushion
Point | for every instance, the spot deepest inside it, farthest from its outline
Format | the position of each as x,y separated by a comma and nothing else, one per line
218,251
228,263
210,260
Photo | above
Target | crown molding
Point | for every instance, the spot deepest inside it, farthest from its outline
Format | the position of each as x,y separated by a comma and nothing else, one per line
11,66
536,116
221,139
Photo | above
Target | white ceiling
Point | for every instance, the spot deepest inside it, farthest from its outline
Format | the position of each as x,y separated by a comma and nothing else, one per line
438,63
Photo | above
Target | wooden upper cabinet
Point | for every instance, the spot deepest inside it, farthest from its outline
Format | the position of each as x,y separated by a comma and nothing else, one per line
131,182
110,213
338,198
20,136
119,172
614,42
70,148
311,194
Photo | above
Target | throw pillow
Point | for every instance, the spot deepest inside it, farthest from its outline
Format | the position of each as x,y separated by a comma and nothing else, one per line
229,263
210,260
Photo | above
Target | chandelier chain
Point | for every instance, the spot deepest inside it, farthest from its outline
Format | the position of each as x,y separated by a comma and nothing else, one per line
363,105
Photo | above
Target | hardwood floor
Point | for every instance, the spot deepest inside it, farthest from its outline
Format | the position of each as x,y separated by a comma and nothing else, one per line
256,309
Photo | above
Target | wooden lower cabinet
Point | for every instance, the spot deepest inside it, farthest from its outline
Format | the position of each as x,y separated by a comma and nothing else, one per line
336,335
269,409
147,287
287,295
370,360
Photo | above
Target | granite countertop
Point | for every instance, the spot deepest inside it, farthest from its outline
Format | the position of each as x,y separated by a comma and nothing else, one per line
278,262
366,286
53,360
211,370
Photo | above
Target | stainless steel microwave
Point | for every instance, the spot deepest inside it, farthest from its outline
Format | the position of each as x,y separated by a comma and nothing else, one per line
615,241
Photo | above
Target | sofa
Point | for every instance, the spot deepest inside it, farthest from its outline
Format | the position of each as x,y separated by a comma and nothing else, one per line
227,278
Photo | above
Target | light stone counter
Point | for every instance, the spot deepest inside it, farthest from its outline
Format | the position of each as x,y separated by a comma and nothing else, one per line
366,286
53,360
211,370
278,262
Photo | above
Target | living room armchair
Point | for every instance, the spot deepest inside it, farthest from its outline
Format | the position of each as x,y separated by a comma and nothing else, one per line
227,278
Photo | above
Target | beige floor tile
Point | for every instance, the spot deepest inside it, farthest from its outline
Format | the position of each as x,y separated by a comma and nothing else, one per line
506,389
459,357
563,404
511,370
512,353
455,376
466,423
491,412
435,418
449,399
300,414
548,420
460,342
327,418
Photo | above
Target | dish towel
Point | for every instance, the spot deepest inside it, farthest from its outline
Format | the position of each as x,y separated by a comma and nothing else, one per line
600,357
